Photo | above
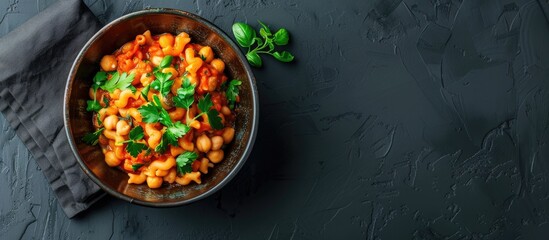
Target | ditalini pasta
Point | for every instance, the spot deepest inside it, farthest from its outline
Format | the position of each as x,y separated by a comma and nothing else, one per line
163,109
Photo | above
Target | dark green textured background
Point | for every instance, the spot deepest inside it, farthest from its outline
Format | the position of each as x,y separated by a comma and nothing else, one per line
399,119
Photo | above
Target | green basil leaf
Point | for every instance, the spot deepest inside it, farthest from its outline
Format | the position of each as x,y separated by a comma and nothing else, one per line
266,31
284,56
244,34
281,37
166,61
254,59
259,41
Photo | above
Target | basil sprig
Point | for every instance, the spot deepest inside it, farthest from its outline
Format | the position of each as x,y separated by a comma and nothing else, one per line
246,37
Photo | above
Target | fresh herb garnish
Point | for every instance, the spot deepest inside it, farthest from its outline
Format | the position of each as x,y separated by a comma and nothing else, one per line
246,36
162,83
204,105
118,81
136,167
106,101
154,112
185,94
93,138
145,92
184,162
98,80
166,61
133,147
232,92
93,105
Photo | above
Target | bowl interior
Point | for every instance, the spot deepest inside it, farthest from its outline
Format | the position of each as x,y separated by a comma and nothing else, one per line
79,123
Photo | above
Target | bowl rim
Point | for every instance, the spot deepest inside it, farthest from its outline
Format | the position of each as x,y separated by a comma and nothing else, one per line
255,107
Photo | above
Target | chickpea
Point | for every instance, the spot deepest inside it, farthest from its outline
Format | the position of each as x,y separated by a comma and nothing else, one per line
111,159
226,111
154,182
218,64
216,155
156,60
110,122
207,53
203,143
122,128
108,63
119,152
228,135
217,142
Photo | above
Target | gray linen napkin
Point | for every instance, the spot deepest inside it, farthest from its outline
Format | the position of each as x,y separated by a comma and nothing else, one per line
34,63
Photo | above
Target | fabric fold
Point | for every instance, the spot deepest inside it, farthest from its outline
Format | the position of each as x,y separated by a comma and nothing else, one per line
35,60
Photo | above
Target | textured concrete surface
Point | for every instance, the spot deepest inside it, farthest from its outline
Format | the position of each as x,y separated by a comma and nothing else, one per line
400,119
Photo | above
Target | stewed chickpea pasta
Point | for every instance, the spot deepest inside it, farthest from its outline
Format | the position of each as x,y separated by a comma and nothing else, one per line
163,109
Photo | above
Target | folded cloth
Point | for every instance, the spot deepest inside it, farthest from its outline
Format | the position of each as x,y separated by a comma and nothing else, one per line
35,60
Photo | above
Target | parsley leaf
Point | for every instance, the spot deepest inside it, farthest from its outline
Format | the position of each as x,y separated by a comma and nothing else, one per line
162,146
232,92
162,83
184,162
214,119
179,129
145,92
93,106
185,94
154,112
205,103
134,148
137,133
136,167
93,138
106,101
99,79
174,132
149,112
98,117
118,81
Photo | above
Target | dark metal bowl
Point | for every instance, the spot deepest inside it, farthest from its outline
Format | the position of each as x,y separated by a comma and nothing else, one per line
78,122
